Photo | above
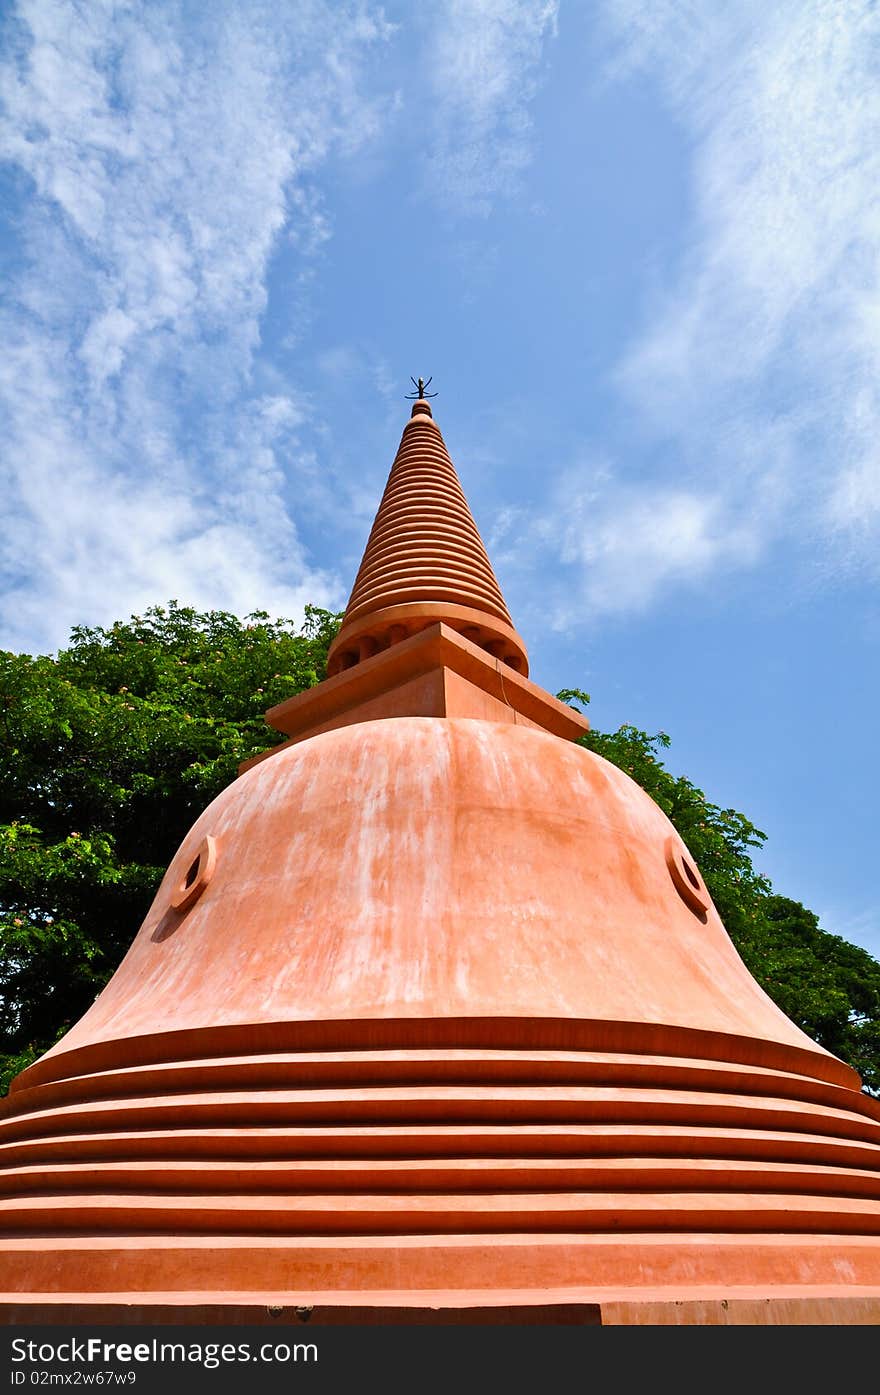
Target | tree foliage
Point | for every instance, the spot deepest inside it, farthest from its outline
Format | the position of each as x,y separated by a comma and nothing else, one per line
111,749
829,987
108,753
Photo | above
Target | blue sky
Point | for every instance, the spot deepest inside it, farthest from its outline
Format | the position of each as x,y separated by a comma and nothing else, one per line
637,246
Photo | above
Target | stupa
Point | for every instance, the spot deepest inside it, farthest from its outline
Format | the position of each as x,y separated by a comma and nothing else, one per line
433,1019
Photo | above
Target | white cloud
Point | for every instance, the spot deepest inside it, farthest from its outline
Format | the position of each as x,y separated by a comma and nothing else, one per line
755,377
166,154
483,57
644,539
617,545
761,361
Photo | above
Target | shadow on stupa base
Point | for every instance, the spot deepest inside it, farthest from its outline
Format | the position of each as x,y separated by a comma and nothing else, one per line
257,1314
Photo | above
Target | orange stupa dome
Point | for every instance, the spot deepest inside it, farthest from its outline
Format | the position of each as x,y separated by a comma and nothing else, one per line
433,1011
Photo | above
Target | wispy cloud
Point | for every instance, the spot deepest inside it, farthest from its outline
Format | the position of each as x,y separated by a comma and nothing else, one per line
142,452
483,59
616,545
756,372
631,542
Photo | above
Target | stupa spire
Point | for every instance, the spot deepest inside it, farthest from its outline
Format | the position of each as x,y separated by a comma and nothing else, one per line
425,560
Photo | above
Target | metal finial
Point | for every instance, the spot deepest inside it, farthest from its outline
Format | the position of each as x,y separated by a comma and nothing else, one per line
421,386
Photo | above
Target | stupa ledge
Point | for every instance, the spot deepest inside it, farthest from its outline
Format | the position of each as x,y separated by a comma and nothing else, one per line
436,673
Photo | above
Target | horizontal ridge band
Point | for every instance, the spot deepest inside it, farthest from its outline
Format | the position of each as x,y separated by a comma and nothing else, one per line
445,1141
474,1176
449,1104
457,1213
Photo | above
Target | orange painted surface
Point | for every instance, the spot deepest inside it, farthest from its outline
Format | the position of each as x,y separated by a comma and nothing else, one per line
434,673
401,1044
367,874
432,1008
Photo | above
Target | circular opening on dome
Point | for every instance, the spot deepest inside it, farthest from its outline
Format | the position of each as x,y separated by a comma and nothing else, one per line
196,877
685,877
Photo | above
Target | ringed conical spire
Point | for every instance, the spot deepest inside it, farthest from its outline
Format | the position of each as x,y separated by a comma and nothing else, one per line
424,561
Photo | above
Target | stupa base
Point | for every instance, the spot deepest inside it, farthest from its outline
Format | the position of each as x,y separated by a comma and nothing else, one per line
600,1279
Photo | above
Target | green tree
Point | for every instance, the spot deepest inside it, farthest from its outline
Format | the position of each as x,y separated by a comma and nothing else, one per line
827,986
108,752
